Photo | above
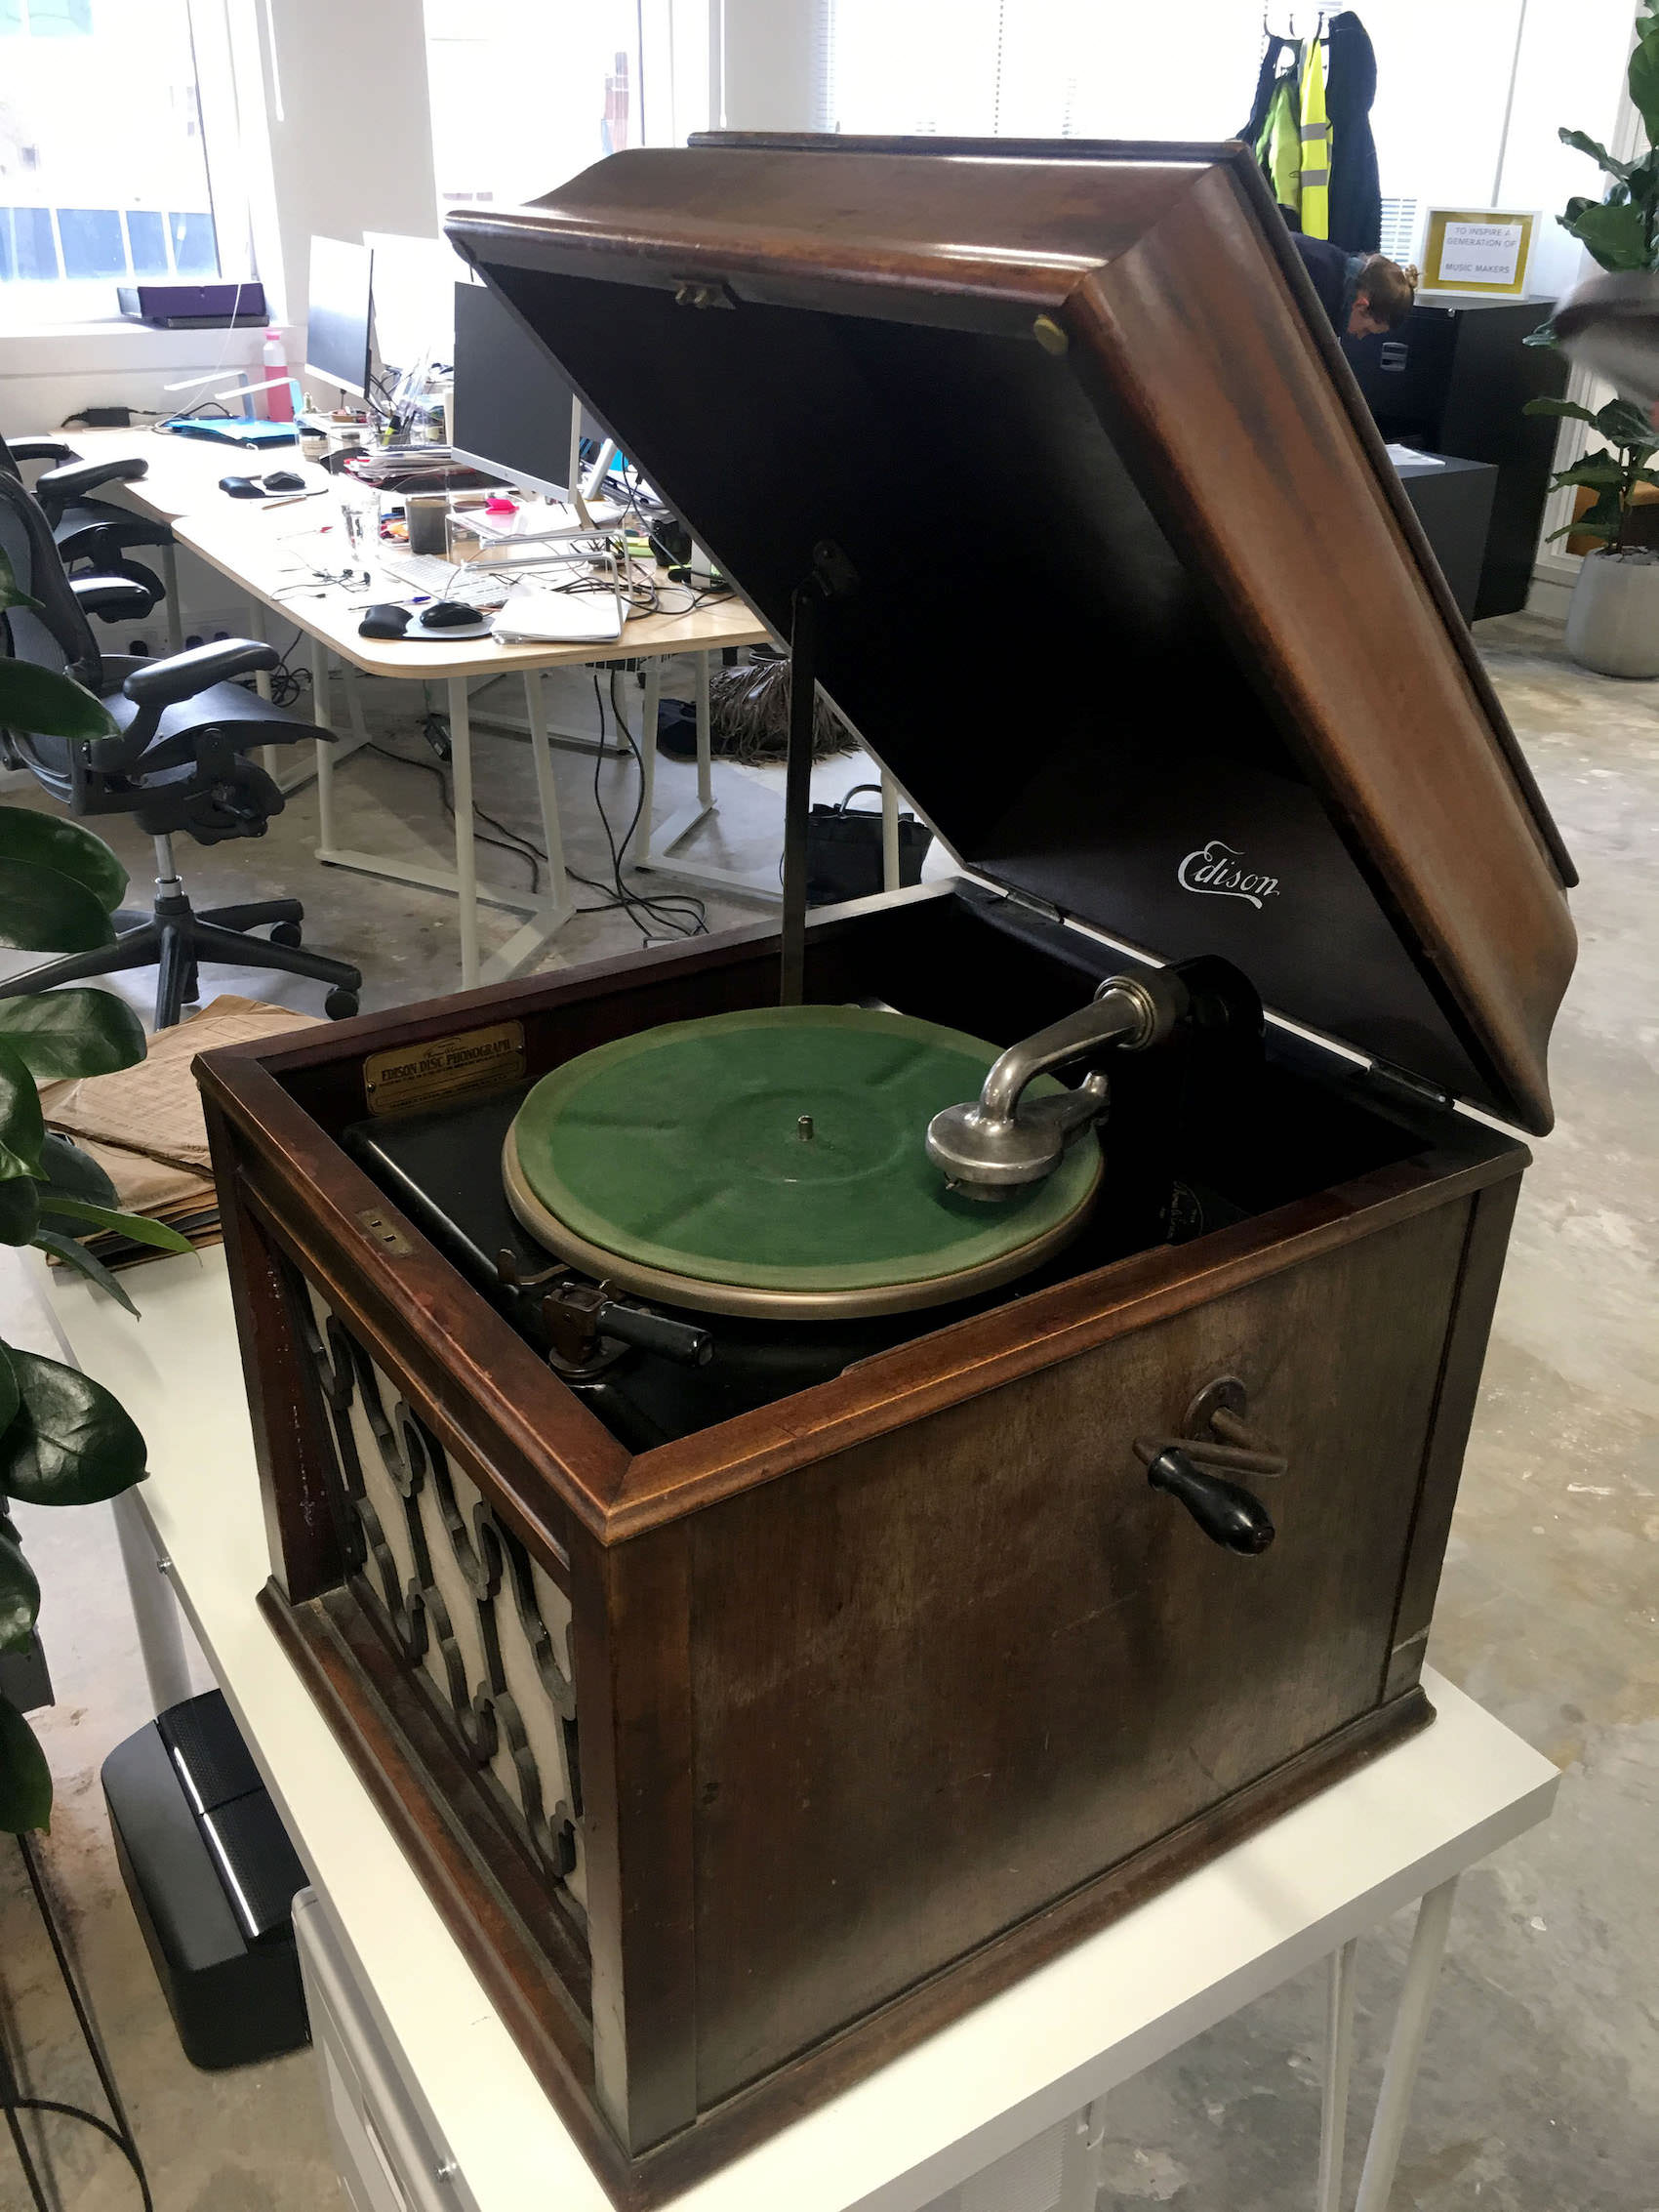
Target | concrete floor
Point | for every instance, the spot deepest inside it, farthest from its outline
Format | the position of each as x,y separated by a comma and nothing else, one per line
1540,2091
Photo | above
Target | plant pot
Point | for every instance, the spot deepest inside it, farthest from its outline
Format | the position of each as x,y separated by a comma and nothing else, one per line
1613,621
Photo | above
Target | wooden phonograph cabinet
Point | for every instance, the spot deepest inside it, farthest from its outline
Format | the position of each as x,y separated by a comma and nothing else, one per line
758,1686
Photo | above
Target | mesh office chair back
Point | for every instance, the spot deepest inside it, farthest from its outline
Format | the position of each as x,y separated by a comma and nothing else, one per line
58,637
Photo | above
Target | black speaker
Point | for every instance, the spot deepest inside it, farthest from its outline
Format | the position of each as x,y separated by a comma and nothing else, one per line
1454,380
211,1877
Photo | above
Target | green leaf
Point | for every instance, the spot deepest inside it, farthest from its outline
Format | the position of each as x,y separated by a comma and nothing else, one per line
11,1397
19,1595
1567,407
72,1033
48,841
1597,153
1615,236
1624,424
47,703
1598,469
44,911
74,1172
10,594
25,1779
71,1442
1544,335
83,1264
1644,79
22,1129
139,1226
19,1209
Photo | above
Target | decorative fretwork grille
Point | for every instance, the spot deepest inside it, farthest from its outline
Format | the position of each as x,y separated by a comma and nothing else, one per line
463,1603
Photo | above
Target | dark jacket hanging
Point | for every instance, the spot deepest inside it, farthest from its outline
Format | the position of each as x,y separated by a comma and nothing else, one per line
1351,86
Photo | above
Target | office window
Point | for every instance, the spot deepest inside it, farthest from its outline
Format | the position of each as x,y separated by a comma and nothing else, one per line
103,175
1121,70
527,93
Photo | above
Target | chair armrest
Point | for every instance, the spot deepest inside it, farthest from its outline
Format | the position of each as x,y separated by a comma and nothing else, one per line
118,597
51,449
164,684
61,486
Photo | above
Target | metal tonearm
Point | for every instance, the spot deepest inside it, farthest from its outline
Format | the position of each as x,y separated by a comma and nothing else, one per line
995,1144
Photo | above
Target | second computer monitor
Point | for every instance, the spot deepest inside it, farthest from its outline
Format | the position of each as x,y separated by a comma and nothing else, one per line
336,324
512,406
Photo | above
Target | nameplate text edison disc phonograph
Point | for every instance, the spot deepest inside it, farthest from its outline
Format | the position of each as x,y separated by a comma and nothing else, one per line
811,1468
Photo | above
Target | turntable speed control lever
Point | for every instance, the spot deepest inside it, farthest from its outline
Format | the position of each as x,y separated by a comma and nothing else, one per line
1228,1513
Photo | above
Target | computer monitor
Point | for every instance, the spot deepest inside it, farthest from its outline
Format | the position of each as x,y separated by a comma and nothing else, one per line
414,290
512,408
336,328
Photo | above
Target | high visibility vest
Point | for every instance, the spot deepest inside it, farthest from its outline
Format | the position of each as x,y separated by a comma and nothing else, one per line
1316,147
1279,149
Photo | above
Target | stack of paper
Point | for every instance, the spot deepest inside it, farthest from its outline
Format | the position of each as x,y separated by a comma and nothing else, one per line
143,1126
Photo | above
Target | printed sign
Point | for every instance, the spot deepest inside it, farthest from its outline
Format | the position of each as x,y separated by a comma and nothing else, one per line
414,1075
1476,250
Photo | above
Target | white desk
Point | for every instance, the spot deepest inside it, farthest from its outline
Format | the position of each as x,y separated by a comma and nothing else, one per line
261,547
1305,1889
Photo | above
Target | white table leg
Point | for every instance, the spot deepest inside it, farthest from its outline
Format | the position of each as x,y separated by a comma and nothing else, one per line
466,857
270,756
1339,2063
705,737
170,581
535,706
647,779
354,709
889,832
161,1632
1411,2026
325,746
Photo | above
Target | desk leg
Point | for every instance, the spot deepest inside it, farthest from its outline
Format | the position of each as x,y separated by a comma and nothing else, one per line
325,746
705,739
270,756
648,764
889,832
170,583
1411,2026
1339,2061
466,859
536,707
161,1632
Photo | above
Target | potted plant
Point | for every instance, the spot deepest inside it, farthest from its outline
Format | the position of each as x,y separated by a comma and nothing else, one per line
1613,623
65,1440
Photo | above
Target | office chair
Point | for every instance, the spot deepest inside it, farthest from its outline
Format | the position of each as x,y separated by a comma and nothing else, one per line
179,763
91,533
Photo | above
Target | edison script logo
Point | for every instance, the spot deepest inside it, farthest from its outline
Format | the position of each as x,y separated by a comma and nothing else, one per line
1217,871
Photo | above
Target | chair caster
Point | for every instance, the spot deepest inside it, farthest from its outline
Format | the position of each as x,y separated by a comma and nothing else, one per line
341,1004
285,933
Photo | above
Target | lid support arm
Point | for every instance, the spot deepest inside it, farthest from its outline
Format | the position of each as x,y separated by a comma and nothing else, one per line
806,607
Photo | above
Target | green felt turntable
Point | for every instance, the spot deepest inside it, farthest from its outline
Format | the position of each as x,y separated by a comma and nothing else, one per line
774,1163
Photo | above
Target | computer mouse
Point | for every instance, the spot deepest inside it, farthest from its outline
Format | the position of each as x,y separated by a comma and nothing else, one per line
241,488
384,621
284,481
449,614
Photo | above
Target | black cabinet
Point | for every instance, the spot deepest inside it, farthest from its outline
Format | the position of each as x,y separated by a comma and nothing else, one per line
1454,380
1454,500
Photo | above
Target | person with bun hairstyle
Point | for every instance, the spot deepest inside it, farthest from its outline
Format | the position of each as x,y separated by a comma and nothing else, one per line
1363,293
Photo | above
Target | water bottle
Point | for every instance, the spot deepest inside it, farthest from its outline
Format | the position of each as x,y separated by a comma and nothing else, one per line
279,399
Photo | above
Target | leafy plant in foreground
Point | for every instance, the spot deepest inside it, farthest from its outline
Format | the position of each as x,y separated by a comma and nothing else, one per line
65,1440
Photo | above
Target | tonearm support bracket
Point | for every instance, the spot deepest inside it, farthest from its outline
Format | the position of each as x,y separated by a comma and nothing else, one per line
995,1144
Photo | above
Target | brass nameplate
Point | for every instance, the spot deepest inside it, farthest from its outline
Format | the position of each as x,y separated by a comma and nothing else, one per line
414,1075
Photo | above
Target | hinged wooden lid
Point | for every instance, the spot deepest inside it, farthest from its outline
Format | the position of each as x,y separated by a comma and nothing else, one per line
1142,620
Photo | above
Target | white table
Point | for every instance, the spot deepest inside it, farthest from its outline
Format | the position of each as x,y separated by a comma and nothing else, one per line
261,547
1034,2059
